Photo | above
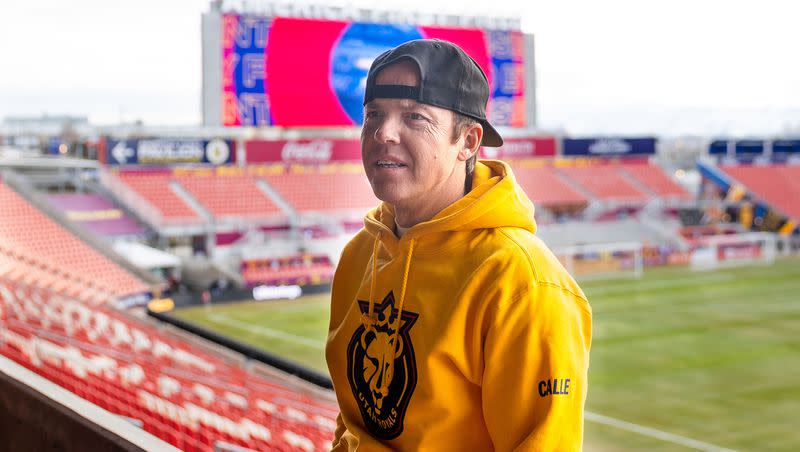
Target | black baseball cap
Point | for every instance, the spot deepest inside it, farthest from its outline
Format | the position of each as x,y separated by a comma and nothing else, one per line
449,78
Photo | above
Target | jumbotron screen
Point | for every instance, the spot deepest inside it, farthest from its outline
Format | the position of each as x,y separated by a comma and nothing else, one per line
310,72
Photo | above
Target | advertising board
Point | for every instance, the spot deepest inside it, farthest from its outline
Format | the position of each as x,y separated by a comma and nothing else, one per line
165,151
273,75
609,146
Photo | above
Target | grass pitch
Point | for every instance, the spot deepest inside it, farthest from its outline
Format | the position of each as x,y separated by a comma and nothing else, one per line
680,360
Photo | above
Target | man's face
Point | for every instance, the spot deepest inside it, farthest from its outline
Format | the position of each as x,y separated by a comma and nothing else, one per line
407,147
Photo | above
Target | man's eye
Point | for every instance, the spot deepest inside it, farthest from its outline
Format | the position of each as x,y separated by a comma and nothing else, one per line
371,114
416,117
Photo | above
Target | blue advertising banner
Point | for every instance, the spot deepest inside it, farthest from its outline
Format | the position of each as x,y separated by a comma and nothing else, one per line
747,149
718,147
165,151
751,147
611,147
786,146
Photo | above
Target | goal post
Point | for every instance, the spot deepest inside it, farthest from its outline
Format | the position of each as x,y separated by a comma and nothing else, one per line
734,250
618,259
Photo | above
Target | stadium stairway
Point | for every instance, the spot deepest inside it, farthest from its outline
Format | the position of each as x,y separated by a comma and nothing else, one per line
191,201
279,200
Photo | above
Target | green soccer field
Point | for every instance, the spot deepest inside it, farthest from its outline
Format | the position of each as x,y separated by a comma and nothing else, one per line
680,360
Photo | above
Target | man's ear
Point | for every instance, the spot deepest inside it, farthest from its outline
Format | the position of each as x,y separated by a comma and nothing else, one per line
472,142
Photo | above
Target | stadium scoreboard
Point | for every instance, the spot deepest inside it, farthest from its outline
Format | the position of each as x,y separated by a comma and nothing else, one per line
304,65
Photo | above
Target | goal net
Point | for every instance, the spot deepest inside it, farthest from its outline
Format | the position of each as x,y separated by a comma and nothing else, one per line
602,260
734,250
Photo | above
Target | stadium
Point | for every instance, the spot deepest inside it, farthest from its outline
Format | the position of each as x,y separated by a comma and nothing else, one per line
168,288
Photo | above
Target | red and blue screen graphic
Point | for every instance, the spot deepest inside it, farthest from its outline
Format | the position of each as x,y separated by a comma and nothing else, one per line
293,72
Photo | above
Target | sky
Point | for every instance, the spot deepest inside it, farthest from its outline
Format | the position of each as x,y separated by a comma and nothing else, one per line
614,67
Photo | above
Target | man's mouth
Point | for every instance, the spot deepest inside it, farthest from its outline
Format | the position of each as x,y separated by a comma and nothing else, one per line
389,164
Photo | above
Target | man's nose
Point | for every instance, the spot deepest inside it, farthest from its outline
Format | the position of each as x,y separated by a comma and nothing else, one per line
388,131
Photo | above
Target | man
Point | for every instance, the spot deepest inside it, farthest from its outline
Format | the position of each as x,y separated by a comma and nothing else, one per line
452,326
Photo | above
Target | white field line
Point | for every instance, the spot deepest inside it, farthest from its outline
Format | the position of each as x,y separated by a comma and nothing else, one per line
634,285
654,433
268,332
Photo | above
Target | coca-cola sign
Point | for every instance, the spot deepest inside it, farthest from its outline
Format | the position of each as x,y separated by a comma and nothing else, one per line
321,150
318,151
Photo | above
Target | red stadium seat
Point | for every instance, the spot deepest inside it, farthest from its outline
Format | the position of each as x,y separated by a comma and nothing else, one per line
231,195
31,314
546,187
154,187
655,180
777,185
51,256
605,183
331,192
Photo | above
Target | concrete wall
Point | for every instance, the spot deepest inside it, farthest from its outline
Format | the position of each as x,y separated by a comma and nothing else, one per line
37,415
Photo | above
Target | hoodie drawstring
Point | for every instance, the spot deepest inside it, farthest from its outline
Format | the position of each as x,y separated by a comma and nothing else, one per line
403,292
368,319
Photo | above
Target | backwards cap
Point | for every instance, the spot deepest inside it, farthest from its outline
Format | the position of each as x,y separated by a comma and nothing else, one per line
449,78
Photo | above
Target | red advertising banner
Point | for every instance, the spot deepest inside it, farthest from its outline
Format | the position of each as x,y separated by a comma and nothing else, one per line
522,148
324,150
320,150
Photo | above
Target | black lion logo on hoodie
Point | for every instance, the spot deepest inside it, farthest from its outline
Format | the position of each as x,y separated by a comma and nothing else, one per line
382,369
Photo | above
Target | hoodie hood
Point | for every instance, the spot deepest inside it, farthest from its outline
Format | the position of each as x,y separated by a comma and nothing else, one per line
494,201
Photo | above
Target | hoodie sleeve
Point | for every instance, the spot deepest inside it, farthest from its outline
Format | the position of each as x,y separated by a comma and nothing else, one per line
535,378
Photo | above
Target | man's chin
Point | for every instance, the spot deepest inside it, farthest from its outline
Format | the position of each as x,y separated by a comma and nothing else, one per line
390,197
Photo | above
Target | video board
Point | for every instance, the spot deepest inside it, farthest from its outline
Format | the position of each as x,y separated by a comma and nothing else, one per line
300,72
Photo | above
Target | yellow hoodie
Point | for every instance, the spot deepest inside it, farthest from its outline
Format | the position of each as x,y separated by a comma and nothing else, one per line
491,346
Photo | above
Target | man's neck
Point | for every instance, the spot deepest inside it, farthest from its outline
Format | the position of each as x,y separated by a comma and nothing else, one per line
408,216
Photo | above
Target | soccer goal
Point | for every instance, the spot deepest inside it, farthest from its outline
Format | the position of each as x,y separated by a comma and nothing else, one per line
603,259
734,250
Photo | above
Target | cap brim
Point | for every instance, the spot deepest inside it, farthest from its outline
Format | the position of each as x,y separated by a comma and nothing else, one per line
491,138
